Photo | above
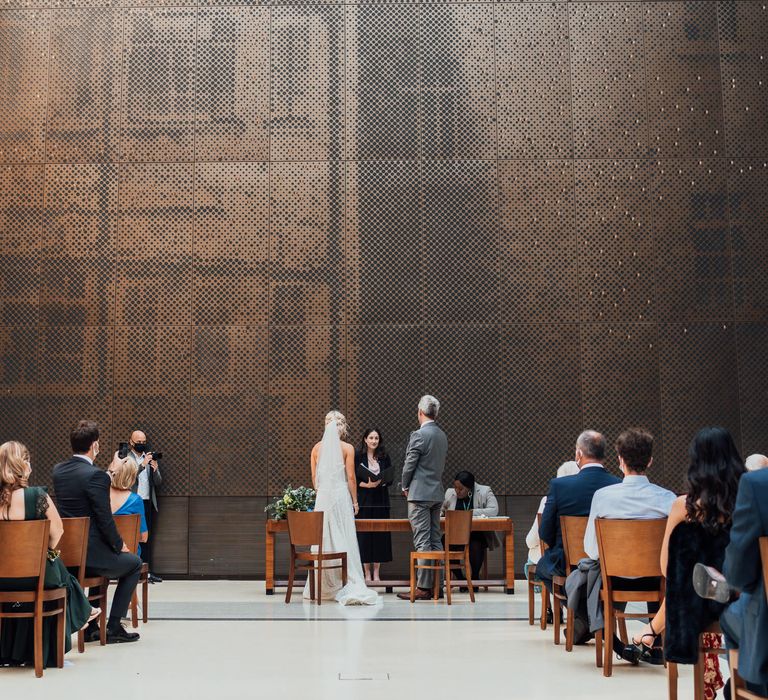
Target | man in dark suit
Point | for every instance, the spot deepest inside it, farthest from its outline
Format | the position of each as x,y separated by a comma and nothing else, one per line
571,495
82,490
745,621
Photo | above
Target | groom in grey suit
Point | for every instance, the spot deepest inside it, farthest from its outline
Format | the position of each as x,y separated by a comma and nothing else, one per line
423,487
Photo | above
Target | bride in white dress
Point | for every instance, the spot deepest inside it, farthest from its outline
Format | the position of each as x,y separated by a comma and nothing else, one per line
333,476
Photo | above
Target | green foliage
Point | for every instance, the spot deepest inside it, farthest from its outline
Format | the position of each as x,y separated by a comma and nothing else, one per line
301,498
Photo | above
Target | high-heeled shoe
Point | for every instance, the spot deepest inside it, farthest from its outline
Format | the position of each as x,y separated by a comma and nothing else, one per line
95,612
651,653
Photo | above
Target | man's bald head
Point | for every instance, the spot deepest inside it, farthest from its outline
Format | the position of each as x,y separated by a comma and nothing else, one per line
138,436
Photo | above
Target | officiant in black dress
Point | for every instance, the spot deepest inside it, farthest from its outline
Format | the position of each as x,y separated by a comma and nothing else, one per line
374,476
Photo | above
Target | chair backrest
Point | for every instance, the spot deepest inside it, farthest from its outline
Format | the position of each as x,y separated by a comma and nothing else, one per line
74,544
458,527
573,528
542,544
128,528
24,548
764,557
305,528
630,548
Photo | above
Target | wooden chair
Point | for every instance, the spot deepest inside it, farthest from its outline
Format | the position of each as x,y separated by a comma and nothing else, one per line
306,530
738,689
532,583
74,552
573,529
458,529
129,526
628,549
24,544
698,668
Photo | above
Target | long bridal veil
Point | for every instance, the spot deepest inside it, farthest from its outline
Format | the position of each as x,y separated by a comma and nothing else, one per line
339,533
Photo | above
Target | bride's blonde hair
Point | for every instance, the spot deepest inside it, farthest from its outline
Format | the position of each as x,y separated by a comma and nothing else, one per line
341,422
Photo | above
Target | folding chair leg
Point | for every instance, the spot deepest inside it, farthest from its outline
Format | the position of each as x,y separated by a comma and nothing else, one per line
569,620
672,680
319,572
413,578
344,569
80,642
447,580
103,619
556,617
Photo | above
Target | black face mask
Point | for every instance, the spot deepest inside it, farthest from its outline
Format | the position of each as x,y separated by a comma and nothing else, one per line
140,447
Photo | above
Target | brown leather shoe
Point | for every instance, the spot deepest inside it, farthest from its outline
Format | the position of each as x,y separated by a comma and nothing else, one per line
421,594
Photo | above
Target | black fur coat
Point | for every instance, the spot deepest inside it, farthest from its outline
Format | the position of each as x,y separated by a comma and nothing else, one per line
687,614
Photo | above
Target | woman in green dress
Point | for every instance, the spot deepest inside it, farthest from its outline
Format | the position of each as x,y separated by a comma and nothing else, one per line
18,501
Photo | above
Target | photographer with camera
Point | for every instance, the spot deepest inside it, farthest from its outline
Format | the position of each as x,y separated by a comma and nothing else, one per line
147,482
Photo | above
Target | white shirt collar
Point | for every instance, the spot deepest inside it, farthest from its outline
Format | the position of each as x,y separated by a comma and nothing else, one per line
636,478
429,420
85,457
593,464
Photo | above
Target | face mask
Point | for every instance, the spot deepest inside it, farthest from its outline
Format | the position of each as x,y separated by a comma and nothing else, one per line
140,447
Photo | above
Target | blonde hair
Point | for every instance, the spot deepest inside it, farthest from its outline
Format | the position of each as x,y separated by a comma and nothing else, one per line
341,422
14,469
123,473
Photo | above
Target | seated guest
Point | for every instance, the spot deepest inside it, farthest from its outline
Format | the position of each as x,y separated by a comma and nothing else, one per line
82,490
18,501
634,498
532,538
371,461
123,501
697,530
755,462
467,495
571,495
745,621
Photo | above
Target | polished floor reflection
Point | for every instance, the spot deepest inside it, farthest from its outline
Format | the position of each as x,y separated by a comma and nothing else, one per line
258,647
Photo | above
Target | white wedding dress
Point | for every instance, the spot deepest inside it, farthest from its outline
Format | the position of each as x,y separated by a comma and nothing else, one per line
339,533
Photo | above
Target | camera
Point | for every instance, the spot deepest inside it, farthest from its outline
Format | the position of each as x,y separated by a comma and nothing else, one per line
122,450
157,455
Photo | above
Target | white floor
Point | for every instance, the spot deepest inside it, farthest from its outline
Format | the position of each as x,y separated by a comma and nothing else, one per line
226,639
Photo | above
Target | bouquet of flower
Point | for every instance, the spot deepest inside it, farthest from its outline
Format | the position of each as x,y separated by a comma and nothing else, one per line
301,498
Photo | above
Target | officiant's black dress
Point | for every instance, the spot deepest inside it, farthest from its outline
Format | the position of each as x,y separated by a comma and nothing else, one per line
373,503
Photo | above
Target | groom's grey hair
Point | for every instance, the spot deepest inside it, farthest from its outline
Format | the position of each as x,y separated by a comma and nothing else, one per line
592,444
429,406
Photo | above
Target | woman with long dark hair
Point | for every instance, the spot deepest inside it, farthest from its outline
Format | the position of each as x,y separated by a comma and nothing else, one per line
698,530
374,469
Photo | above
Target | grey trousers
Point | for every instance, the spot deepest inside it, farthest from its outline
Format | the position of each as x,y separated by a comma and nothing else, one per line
425,523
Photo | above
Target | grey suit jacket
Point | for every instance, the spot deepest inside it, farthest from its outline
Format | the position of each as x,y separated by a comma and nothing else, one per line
156,478
483,503
424,464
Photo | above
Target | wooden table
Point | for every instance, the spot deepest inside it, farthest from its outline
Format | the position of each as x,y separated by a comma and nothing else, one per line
502,525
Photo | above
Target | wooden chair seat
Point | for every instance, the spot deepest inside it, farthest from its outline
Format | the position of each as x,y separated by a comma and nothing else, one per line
325,556
24,544
458,529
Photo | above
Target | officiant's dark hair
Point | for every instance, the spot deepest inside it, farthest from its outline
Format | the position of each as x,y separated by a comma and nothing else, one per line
466,478
379,452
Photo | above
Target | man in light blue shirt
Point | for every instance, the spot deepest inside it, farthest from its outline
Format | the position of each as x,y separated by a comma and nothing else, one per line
635,498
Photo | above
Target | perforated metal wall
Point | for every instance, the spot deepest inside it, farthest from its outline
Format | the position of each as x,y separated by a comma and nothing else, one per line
218,220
